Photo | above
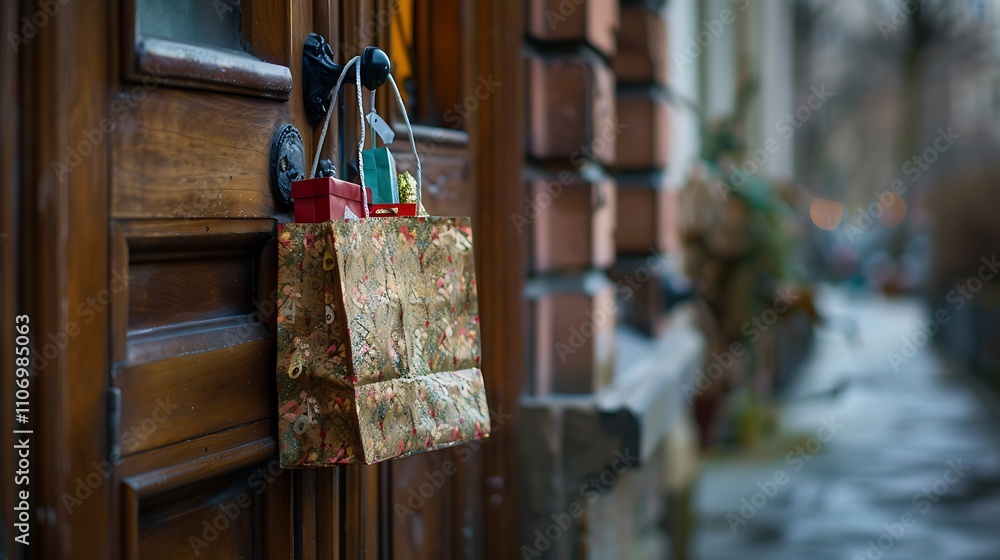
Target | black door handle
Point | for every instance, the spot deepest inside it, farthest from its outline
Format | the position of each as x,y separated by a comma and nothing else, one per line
320,73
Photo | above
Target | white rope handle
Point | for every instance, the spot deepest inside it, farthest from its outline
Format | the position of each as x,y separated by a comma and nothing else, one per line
329,113
413,144
371,107
356,61
361,141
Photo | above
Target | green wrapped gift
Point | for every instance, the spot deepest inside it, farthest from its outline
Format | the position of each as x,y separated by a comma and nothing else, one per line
380,175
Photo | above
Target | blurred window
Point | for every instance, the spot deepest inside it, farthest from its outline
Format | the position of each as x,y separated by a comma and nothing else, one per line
213,24
427,57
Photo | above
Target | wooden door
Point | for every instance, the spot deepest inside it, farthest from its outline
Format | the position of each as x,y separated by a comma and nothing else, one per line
143,243
192,222
197,91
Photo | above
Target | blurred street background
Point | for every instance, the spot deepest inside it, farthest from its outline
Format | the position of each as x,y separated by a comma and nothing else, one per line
736,295
921,441
876,122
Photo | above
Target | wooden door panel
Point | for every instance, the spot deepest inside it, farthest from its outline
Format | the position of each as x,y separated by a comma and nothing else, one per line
187,154
220,496
423,494
434,505
193,395
444,157
179,151
309,530
174,526
364,520
324,518
329,517
446,189
186,290
186,286
193,344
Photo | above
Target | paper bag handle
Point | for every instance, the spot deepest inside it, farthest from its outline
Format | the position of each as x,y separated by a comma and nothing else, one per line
413,144
356,61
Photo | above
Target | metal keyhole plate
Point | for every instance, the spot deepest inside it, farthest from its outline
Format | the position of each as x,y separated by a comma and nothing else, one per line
288,163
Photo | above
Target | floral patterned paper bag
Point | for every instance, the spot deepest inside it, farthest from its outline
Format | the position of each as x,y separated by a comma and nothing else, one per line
378,340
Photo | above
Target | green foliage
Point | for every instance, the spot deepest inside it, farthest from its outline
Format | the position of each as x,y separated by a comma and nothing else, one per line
723,148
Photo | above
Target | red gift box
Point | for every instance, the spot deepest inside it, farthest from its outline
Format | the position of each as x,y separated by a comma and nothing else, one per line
400,210
324,198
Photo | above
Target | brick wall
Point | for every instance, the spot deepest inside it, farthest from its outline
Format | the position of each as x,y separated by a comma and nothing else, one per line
597,213
571,193
598,137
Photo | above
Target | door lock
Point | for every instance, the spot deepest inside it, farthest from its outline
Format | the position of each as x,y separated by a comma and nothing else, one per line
288,163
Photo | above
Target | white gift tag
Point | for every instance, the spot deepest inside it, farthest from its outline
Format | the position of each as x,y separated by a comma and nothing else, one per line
350,215
381,128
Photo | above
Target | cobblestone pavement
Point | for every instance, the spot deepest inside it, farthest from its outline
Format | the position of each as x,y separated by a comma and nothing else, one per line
906,467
